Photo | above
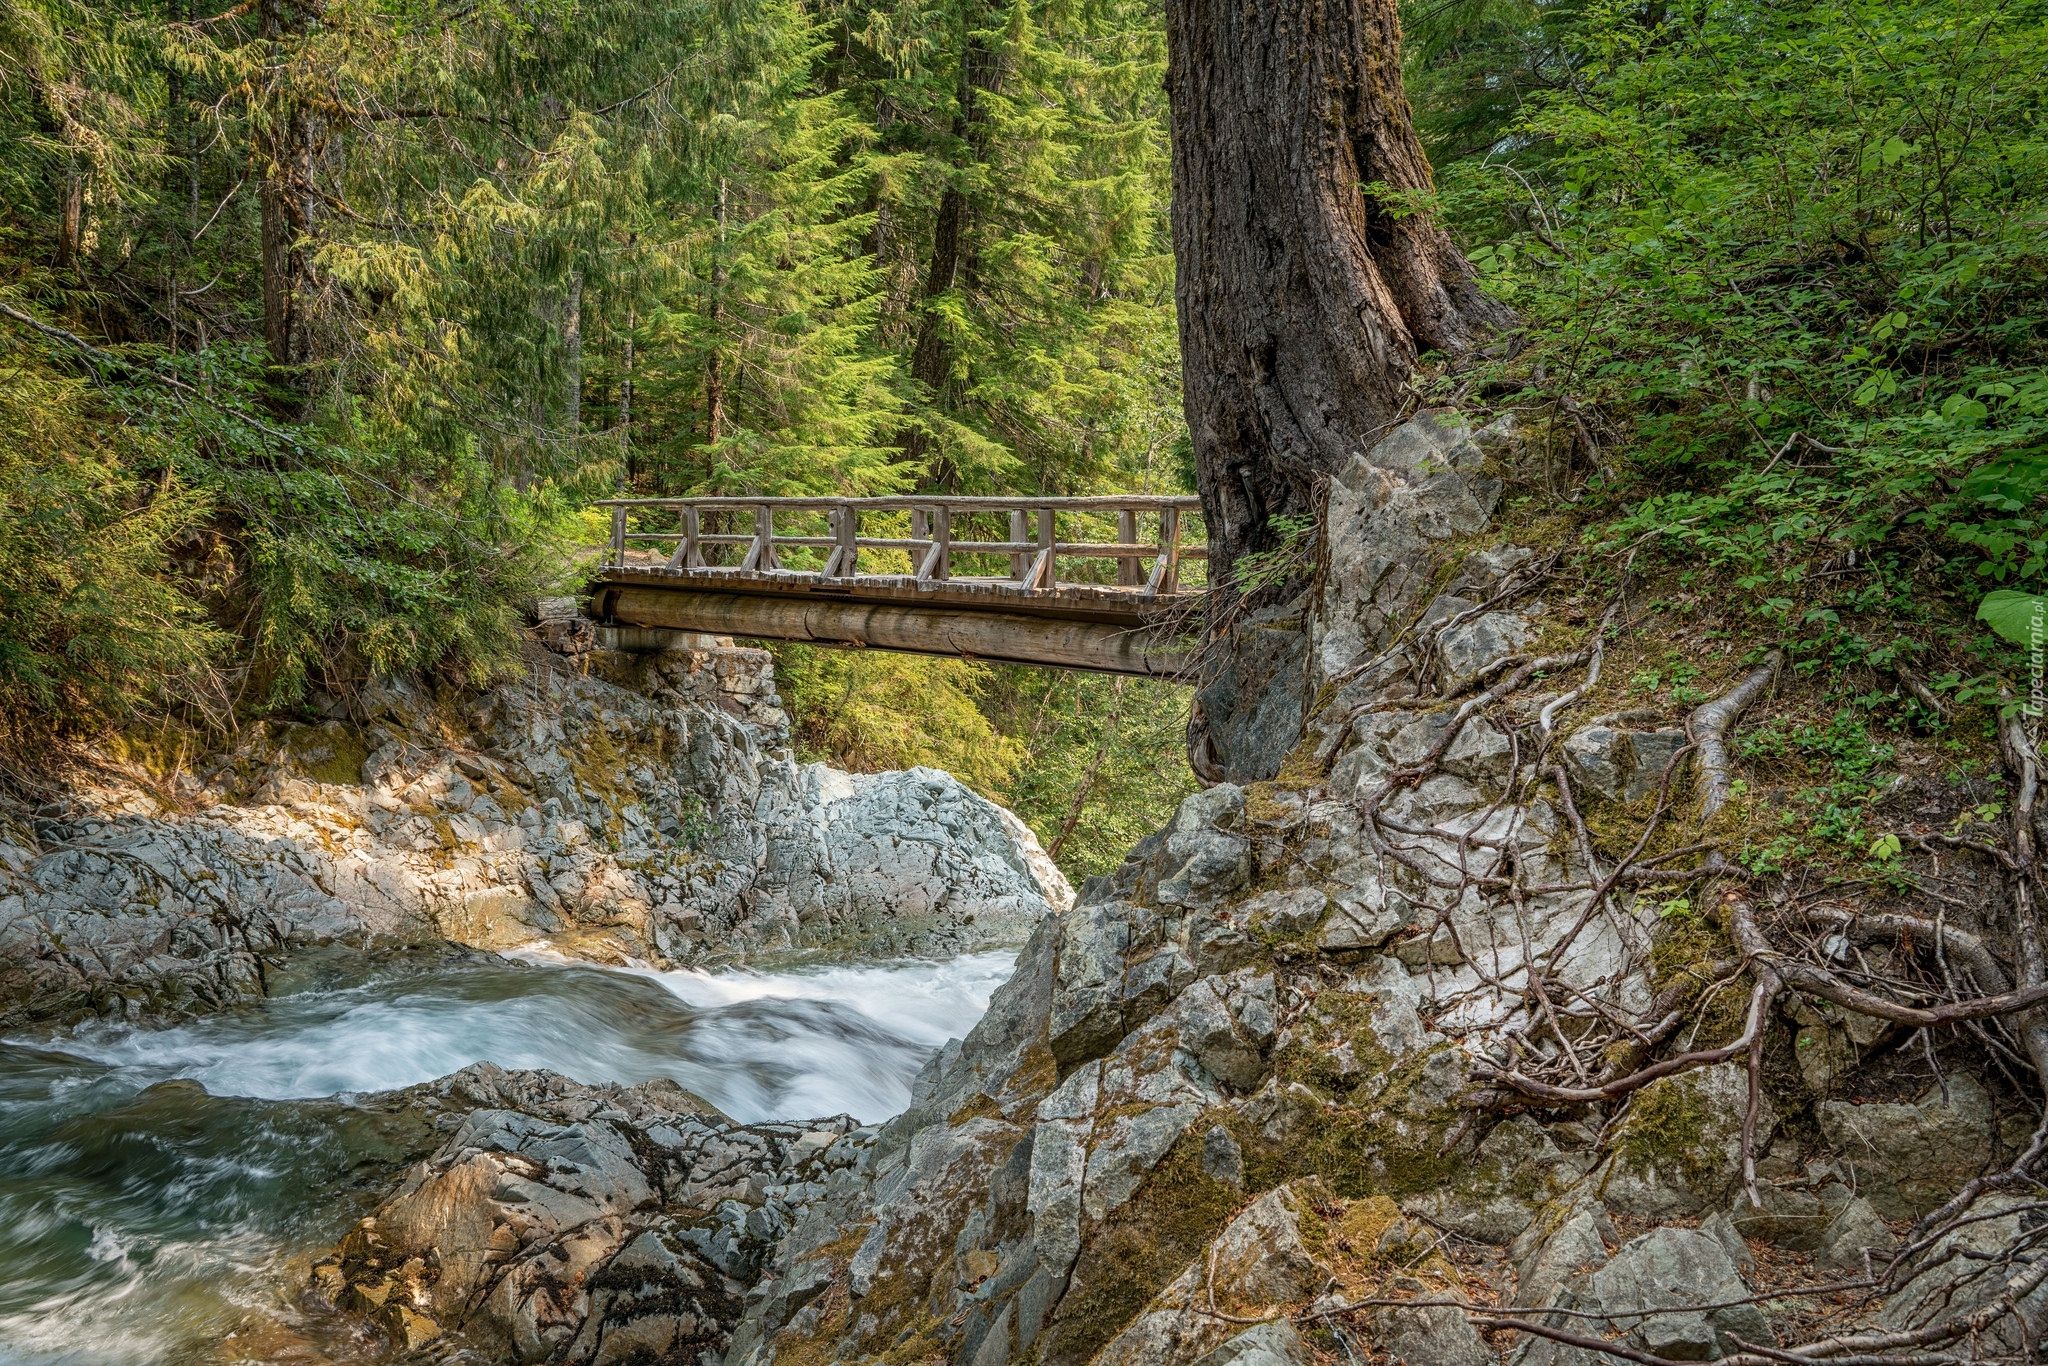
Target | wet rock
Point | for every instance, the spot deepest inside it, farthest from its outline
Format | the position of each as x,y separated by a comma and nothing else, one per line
654,1300
1908,1159
624,813
528,1231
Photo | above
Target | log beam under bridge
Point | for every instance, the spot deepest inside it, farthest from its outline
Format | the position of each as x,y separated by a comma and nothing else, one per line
928,629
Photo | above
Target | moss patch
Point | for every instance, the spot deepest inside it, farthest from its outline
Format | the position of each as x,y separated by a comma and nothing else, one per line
1663,1129
1137,1251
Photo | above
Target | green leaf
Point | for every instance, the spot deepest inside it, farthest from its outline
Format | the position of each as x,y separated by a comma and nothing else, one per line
2021,618
1885,847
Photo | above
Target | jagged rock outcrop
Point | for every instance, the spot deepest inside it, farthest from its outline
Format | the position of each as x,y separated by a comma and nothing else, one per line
1263,1011
637,806
1248,1099
581,1224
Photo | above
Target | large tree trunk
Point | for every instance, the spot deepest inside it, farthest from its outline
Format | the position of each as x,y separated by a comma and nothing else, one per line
1303,299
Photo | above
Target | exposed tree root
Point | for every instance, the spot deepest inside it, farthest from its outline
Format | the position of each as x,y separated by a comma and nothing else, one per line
1708,728
1989,978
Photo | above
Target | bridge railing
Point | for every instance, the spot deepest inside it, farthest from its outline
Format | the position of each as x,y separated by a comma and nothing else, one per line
1142,540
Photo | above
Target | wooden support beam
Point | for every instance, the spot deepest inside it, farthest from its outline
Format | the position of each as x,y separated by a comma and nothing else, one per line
1127,571
1003,636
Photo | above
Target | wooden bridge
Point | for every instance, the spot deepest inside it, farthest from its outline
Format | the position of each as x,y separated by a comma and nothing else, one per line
973,578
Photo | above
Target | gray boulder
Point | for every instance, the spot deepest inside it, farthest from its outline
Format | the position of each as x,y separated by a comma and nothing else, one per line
1651,1293
1431,1335
1962,1273
1855,1230
1200,864
1258,1264
1468,648
1266,1344
1620,765
1907,1159
1678,1148
1550,1257
1390,513
1495,1197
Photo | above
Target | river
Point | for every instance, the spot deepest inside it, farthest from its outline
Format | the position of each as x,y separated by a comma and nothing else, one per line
157,1185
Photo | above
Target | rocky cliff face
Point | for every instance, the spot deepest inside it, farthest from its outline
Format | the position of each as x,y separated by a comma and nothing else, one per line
615,804
1349,1059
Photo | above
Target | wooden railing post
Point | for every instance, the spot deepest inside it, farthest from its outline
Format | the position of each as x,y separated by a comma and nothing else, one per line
689,554
845,561
1127,534
920,541
619,537
1043,572
1166,569
937,566
762,555
1017,557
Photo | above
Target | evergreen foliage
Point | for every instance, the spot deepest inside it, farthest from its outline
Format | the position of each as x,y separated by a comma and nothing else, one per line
1785,274
328,318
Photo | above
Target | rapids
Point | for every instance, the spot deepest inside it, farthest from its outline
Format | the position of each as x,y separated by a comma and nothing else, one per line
155,1183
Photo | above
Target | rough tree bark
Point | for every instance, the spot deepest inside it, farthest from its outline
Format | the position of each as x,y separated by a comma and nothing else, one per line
1304,297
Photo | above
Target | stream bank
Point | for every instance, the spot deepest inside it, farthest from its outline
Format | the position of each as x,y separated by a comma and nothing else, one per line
164,1189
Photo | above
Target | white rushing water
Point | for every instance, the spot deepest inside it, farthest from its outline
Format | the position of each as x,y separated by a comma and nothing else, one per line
797,1045
153,1181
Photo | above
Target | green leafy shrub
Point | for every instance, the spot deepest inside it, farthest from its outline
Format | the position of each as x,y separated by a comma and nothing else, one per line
92,622
1796,261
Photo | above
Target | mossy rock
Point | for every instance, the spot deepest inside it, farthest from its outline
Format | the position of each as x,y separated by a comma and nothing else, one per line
1678,1149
